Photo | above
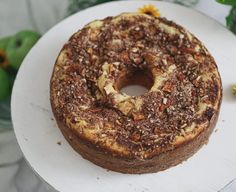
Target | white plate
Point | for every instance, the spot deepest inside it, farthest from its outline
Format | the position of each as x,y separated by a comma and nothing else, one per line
59,165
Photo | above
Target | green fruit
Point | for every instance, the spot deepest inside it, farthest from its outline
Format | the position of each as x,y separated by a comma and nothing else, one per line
19,46
4,42
3,57
5,89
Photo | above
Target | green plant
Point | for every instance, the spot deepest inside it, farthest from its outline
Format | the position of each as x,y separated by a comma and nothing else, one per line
76,5
231,18
227,2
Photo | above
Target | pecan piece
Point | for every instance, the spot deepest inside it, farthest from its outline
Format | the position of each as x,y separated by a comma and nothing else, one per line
181,77
135,136
162,107
95,109
168,87
150,58
156,130
124,57
137,117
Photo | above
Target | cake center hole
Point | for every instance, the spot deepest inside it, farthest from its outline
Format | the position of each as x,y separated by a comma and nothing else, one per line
136,83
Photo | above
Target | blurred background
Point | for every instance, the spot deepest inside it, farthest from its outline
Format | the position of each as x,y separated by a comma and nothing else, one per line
23,22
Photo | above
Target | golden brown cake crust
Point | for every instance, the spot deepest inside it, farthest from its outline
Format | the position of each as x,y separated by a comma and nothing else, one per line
135,134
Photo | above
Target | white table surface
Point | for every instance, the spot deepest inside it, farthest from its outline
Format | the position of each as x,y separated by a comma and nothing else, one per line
15,174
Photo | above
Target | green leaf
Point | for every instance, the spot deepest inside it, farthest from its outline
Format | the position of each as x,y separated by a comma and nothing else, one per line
227,2
231,20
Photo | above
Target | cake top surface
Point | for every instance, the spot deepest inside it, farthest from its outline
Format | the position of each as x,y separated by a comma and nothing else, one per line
184,95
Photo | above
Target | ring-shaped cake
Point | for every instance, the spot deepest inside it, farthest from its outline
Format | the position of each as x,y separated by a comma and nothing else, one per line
135,134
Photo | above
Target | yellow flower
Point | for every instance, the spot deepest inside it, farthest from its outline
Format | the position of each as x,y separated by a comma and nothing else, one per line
234,89
149,10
